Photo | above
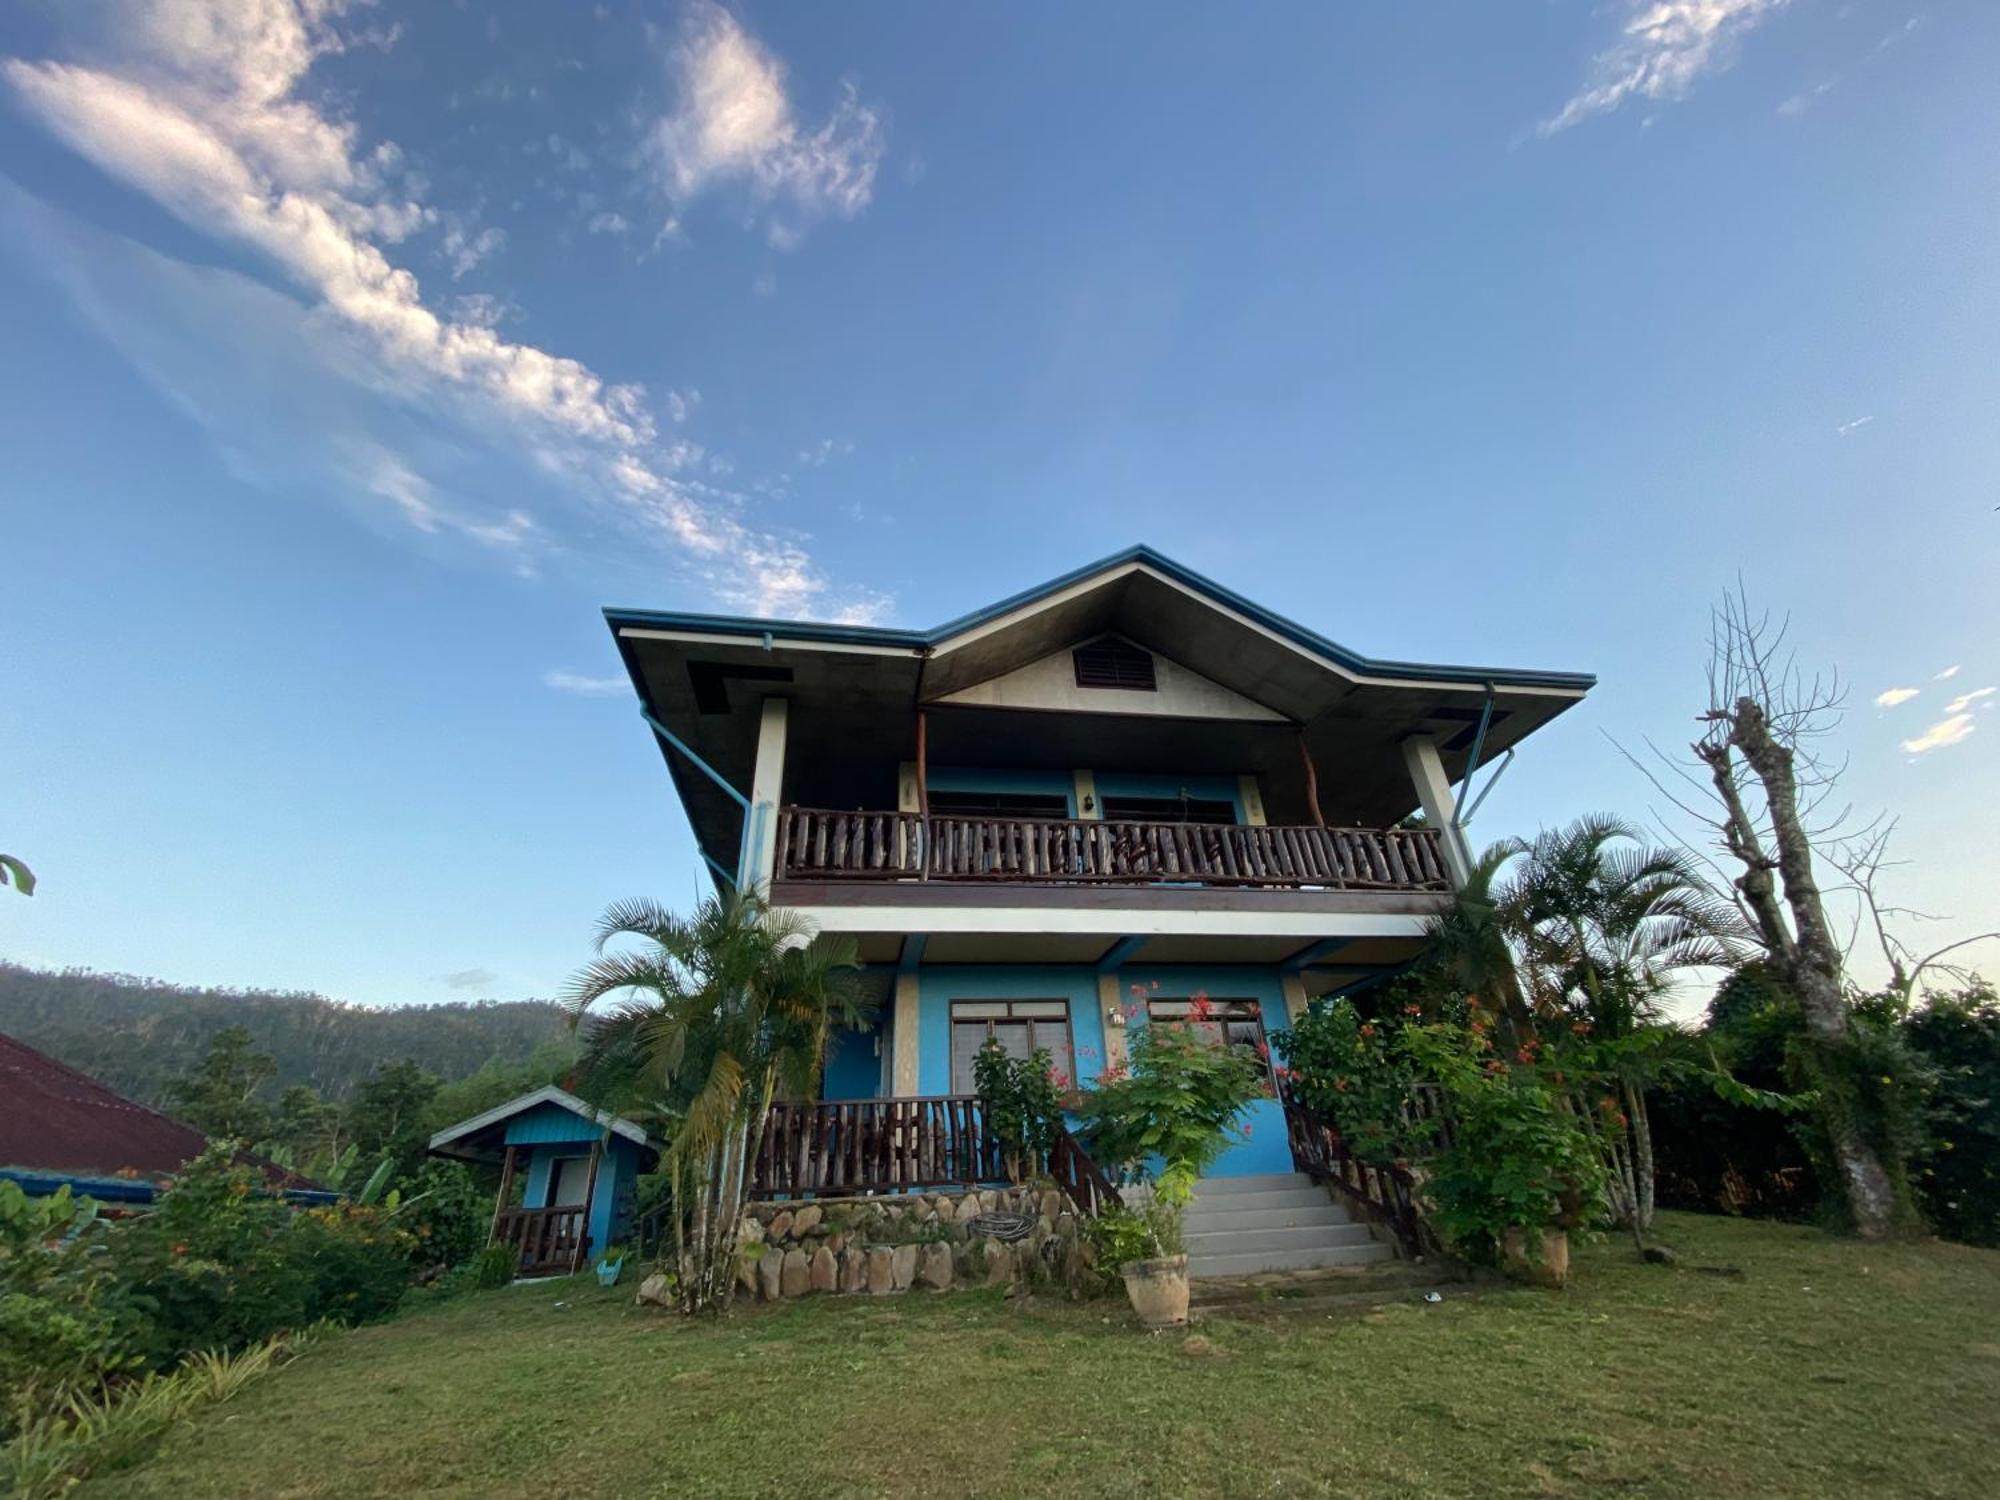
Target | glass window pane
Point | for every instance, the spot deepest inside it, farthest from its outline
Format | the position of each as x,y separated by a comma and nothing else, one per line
967,1009
1054,1035
966,1040
1057,1009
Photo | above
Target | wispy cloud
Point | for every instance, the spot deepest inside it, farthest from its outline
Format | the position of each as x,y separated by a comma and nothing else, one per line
1664,48
200,105
587,687
1855,426
1947,674
1799,103
1945,732
468,979
608,222
1894,696
733,120
824,452
1964,701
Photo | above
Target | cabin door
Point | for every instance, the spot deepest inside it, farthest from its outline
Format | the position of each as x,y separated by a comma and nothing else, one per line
571,1184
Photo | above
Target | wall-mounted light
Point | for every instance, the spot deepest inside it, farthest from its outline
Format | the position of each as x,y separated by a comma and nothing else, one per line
1089,804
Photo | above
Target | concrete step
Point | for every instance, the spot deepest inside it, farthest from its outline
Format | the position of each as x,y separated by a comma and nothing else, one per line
1250,1262
1281,1237
1276,1198
1261,1182
1332,1215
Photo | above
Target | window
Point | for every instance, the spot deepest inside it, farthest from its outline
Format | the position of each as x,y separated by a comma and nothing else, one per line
1181,809
1000,804
1112,663
1019,1026
1232,1023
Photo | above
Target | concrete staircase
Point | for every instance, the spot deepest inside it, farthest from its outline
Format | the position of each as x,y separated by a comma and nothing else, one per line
1239,1226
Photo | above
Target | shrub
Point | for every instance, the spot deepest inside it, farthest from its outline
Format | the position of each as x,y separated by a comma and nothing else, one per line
1956,1170
1176,1105
1018,1101
444,1213
221,1264
1517,1158
1352,1073
65,1323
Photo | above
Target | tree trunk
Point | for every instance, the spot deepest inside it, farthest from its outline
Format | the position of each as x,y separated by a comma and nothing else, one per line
1642,1159
1811,959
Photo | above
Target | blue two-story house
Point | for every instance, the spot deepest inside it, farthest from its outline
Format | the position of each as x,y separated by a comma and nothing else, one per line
1067,814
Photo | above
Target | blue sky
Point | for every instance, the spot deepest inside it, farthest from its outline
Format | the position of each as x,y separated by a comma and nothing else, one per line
356,355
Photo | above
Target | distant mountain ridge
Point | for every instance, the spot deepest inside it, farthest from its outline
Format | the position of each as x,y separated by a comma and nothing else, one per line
137,1034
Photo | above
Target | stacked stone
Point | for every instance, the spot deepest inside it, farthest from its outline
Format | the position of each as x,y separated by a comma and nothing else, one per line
884,1245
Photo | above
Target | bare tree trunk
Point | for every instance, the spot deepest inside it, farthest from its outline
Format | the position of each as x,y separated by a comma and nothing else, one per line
1642,1159
1811,960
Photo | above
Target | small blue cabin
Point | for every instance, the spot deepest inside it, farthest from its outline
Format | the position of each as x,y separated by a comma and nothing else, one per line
569,1176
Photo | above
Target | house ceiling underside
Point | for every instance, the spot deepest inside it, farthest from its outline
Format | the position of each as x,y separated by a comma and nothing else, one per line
1359,959
854,707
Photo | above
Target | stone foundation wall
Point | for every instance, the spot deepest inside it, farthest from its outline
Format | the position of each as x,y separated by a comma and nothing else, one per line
884,1245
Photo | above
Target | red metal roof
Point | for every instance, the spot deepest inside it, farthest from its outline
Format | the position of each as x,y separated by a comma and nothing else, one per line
55,1119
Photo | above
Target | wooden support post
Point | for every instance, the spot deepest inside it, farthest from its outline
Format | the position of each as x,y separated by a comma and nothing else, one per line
1312,781
924,791
589,1207
503,1202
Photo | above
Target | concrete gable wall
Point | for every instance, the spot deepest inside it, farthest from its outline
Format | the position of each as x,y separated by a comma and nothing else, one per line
1050,683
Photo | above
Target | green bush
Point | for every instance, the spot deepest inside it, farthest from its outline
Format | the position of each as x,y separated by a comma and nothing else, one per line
66,1325
1018,1102
1177,1104
1350,1071
1956,1170
1517,1158
445,1213
221,1264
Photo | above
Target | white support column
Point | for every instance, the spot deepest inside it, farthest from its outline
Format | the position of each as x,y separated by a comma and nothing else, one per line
1420,754
767,789
1252,798
905,1033
1110,1005
1294,990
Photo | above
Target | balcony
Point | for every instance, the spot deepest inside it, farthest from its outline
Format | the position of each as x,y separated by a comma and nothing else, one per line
817,844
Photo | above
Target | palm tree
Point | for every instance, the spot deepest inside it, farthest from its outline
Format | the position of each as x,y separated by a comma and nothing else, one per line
14,872
724,1012
1602,923
1473,943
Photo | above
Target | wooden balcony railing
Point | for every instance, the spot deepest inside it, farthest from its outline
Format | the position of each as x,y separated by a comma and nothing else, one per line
549,1241
1386,1193
890,1145
819,844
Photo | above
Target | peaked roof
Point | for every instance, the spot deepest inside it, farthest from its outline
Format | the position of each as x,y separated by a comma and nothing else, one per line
1353,662
854,690
464,1132
58,1120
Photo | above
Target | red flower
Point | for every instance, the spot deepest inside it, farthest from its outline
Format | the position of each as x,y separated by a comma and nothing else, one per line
1367,1028
1525,1055
1496,1066
1413,1010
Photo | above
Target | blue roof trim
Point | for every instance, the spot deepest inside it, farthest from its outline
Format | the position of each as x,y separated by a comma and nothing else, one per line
926,640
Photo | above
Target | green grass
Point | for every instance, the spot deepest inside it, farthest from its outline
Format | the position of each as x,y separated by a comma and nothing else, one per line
1830,1369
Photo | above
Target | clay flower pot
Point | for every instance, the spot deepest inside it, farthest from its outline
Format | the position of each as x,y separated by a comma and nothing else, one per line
1548,1268
1158,1290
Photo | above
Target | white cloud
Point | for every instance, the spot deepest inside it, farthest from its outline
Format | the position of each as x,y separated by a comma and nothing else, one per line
199,105
608,223
1664,47
1855,426
1947,674
1964,701
1945,732
468,979
1798,104
587,687
733,121
824,452
1894,696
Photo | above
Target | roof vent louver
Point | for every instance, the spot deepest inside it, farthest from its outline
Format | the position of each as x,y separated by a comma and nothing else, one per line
1112,663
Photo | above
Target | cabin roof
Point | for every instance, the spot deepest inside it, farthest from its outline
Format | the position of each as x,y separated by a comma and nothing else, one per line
58,1121
702,675
478,1137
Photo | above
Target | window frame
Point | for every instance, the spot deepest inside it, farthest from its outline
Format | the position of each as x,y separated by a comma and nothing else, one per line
1065,1061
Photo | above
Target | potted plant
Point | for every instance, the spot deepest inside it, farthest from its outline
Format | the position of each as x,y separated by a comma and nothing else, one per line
1167,1117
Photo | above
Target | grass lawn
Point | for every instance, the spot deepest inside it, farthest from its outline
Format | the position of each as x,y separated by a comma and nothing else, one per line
1829,1369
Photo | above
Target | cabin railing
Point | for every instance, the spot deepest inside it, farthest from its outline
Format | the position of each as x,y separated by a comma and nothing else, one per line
547,1241
823,844
860,1146
1384,1193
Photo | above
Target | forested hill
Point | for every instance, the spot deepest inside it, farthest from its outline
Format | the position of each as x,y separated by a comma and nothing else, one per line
138,1034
